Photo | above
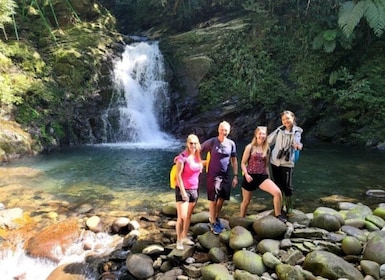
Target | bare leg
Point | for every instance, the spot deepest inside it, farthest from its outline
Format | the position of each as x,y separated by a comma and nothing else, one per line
182,211
215,209
187,220
271,188
246,198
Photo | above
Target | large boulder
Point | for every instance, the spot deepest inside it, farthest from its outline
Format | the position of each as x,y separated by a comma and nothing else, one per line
330,266
53,241
375,248
269,227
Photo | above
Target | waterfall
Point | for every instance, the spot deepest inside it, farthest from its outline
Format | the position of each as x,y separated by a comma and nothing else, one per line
140,96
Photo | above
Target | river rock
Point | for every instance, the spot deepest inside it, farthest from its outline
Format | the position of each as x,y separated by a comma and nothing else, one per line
140,266
375,248
288,272
326,221
212,271
269,227
326,210
380,212
7,217
371,268
244,275
245,222
351,246
360,211
240,238
54,240
268,245
201,217
299,217
71,271
356,232
120,225
330,266
94,224
249,261
199,228
218,254
209,240
169,209
376,193
270,260
376,220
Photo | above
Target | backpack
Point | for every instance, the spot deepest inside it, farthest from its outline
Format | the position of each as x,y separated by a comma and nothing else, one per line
173,174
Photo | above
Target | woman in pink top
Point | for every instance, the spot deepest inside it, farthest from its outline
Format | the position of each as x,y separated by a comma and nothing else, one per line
188,167
255,169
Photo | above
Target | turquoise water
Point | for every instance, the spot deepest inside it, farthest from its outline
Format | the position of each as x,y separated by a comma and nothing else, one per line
125,177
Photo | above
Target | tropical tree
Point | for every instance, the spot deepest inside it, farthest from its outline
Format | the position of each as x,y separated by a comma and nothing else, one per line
7,11
351,13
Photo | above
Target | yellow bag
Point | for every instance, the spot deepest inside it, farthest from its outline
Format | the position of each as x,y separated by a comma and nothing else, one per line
173,177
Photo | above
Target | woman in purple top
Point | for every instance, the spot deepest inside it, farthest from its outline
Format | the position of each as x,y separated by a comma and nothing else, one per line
188,167
255,169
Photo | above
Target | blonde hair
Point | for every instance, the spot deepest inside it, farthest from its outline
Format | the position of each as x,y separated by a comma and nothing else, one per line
265,145
194,138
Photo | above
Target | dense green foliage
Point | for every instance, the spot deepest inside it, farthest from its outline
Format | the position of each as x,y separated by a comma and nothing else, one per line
51,62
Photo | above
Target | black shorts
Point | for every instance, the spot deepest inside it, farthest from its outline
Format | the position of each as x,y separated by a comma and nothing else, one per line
192,195
218,187
255,183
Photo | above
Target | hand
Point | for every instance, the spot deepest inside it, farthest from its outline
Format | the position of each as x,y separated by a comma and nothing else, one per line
248,178
184,196
235,181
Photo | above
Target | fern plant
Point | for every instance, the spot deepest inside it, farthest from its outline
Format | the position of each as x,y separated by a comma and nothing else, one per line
351,13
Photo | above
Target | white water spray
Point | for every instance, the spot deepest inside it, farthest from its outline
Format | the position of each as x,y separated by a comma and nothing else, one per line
141,96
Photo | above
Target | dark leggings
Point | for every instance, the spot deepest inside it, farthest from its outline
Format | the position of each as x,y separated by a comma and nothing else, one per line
283,178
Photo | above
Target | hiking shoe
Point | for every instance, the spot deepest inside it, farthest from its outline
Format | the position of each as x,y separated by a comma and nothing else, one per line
281,218
179,245
188,241
216,228
218,222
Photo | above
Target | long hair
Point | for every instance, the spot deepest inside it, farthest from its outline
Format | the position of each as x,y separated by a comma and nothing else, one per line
195,139
287,112
265,145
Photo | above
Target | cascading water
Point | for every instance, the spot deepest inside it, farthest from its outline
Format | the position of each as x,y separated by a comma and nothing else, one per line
140,98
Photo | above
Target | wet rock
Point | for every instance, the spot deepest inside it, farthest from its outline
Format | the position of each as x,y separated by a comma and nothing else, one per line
72,271
360,211
94,224
270,260
120,225
352,231
380,212
53,241
376,193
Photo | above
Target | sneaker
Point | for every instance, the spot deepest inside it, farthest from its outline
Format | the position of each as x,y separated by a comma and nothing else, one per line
179,245
216,228
188,241
218,222
281,218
